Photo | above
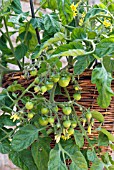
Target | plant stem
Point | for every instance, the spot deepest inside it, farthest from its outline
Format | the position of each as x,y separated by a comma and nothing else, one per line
10,43
77,119
52,94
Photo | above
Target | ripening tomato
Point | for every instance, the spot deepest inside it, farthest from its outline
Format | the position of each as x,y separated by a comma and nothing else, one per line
43,89
67,123
64,81
51,120
70,131
44,111
43,121
67,110
29,105
33,72
49,85
55,78
77,96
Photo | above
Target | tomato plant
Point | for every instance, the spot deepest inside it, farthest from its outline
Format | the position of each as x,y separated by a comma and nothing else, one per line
46,105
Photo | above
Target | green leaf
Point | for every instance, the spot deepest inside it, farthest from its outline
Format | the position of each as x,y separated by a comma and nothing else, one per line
6,121
55,61
82,62
105,47
5,4
68,53
5,147
97,115
65,11
20,51
16,5
78,33
57,37
108,134
93,12
23,159
108,63
51,25
97,164
102,79
24,137
91,155
78,162
112,146
103,139
70,146
40,152
79,138
55,162
14,87
111,167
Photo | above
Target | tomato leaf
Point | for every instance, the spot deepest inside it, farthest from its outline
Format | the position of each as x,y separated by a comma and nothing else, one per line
55,162
65,11
97,164
97,115
103,139
78,33
78,162
5,147
91,155
16,5
20,51
51,25
108,134
24,137
40,152
23,159
102,79
79,138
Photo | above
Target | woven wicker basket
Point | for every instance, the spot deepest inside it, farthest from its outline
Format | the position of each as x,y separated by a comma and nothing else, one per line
89,99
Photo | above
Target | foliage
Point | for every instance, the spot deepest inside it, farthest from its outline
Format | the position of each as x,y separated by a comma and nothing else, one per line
84,36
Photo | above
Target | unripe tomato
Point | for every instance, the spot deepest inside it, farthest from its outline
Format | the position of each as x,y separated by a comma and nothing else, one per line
73,124
76,88
33,72
43,89
58,125
88,116
67,110
64,81
43,121
55,78
44,111
29,105
67,123
55,109
36,89
70,131
77,96
49,85
30,115
84,121
51,120
36,80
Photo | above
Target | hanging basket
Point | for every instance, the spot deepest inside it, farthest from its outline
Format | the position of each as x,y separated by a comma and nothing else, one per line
89,100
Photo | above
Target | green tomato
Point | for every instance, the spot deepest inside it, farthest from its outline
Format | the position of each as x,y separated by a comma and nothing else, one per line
51,120
55,109
43,121
64,81
74,124
76,88
67,123
43,89
36,89
44,111
70,131
29,105
49,85
30,115
88,116
36,80
67,110
55,78
77,96
33,72
58,125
